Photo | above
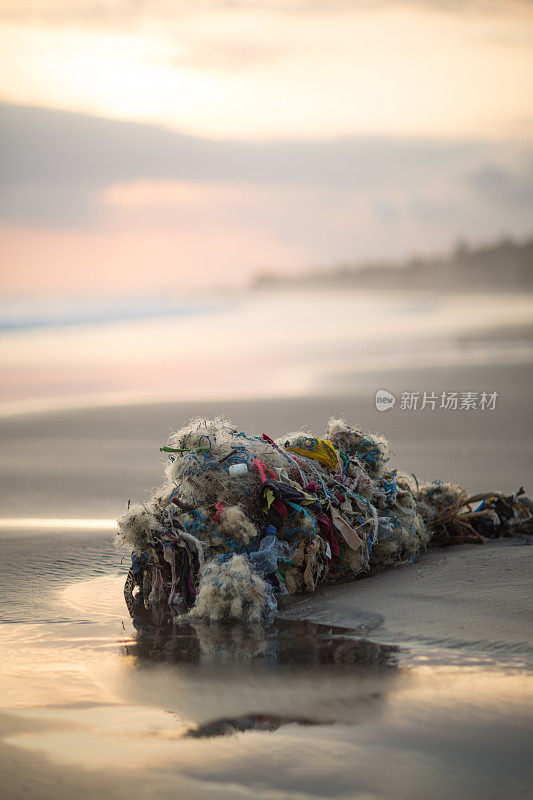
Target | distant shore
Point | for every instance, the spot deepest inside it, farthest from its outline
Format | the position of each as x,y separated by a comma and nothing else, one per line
506,265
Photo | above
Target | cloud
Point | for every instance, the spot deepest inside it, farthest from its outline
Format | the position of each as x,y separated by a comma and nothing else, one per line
265,69
120,13
86,201
506,187
56,164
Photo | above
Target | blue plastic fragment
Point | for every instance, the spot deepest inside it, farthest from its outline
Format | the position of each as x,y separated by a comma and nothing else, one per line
265,559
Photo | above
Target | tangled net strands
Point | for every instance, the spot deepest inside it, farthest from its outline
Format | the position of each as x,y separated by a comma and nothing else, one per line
242,520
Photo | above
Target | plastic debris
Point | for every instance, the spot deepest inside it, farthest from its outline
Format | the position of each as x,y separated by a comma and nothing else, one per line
242,520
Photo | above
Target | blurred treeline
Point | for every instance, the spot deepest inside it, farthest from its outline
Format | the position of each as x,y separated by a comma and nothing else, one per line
507,264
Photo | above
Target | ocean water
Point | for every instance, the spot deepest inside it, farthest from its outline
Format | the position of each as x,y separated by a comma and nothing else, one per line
93,702
249,345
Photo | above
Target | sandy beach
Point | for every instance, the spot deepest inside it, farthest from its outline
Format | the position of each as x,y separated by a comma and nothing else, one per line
458,622
474,597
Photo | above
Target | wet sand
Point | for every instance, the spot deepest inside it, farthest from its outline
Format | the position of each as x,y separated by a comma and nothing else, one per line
475,596
94,706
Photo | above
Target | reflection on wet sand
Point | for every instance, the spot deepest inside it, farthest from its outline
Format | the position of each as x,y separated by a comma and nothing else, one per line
296,710
297,642
257,678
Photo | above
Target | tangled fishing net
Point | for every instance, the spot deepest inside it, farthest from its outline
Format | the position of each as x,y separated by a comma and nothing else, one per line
243,520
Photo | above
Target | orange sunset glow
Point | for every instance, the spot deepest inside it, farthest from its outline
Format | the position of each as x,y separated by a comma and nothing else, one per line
168,144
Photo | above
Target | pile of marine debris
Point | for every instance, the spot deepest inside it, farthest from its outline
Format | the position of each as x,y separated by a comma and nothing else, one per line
242,520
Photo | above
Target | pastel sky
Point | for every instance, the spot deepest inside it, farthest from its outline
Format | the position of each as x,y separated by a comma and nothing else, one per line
163,144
